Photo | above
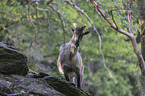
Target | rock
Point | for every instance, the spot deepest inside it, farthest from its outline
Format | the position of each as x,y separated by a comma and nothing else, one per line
18,85
33,84
12,61
4,87
22,85
65,87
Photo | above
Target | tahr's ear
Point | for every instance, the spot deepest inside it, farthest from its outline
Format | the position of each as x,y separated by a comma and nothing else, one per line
83,27
72,30
85,33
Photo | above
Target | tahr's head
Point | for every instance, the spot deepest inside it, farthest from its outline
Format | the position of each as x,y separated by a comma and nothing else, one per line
78,34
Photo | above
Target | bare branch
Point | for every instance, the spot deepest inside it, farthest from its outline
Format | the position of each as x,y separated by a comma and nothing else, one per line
33,1
108,20
130,35
49,24
100,49
40,9
81,16
36,29
118,11
38,23
39,0
31,23
61,18
129,18
10,4
113,19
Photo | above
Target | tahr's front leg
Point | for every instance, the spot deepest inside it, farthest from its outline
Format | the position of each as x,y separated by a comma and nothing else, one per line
66,75
66,72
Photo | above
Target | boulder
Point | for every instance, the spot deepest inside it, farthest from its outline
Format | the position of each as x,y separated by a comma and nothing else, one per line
17,80
65,87
12,61
32,85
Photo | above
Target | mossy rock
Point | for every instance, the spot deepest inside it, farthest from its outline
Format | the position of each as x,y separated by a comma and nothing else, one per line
12,61
18,85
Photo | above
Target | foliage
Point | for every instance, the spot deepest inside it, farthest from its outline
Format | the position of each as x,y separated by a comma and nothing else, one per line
39,34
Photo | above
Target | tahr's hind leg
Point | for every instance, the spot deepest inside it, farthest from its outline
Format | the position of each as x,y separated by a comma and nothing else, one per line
78,79
81,75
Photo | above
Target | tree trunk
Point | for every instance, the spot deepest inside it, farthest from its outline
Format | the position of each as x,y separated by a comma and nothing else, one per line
143,85
142,31
141,11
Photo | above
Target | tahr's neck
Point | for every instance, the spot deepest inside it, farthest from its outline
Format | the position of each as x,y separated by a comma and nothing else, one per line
73,49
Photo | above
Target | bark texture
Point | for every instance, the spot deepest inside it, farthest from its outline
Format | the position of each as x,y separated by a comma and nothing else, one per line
141,12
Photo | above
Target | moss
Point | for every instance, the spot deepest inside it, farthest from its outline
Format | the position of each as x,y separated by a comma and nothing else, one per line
64,87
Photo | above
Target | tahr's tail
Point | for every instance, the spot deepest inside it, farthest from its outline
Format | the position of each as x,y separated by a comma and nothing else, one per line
60,67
